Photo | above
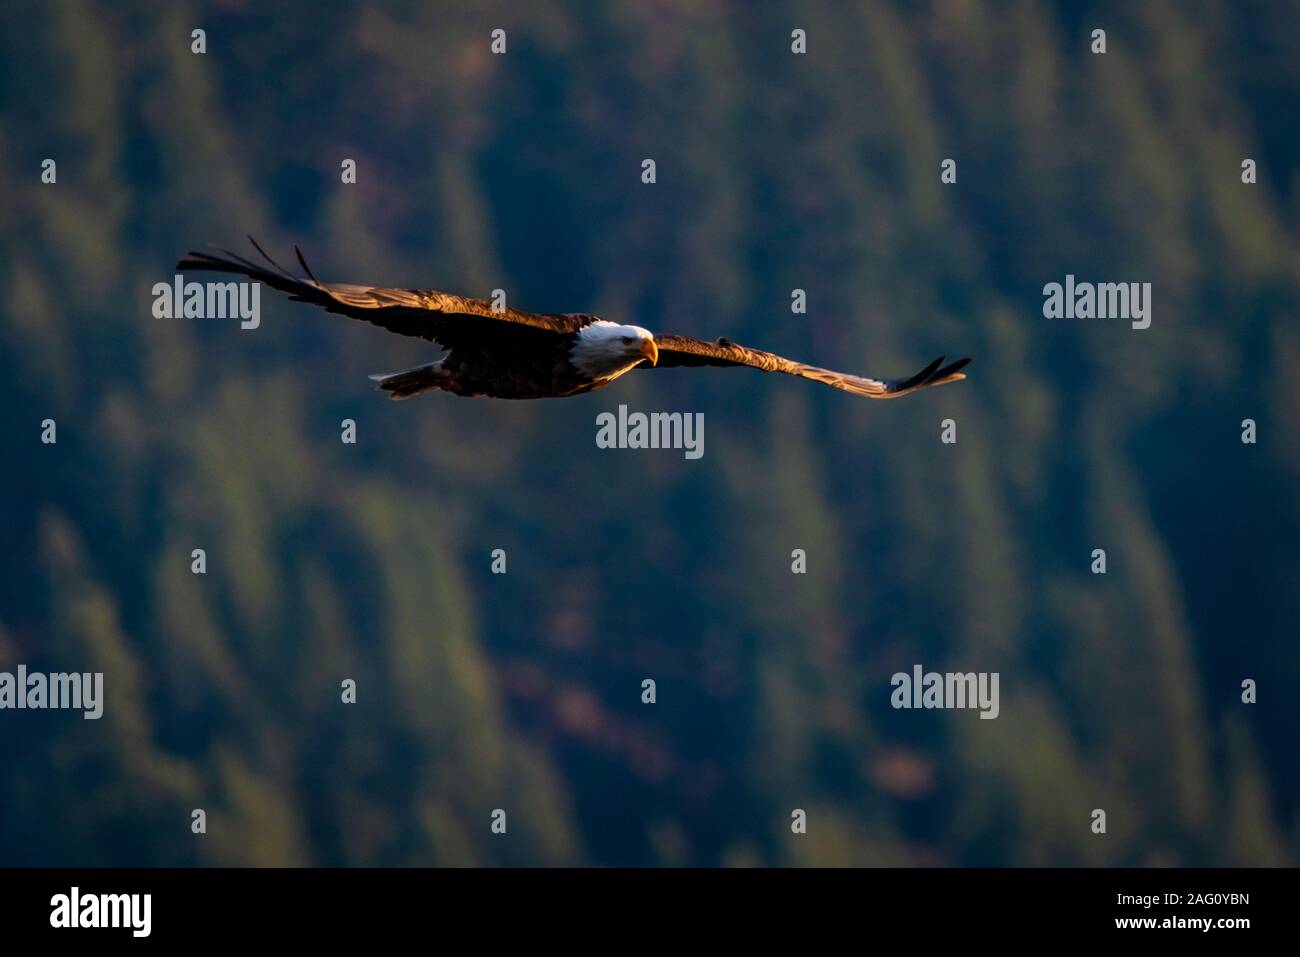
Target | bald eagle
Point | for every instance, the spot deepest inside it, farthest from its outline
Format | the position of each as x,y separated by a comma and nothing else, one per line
510,354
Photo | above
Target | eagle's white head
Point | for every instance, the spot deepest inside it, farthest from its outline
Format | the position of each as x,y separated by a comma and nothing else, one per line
605,350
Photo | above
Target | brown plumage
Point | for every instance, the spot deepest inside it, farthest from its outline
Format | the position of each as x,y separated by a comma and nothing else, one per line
512,354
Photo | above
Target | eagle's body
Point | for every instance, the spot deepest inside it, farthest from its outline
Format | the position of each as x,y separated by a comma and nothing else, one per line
520,362
511,354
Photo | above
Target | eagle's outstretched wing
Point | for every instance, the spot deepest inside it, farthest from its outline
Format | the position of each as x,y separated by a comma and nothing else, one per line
685,351
436,316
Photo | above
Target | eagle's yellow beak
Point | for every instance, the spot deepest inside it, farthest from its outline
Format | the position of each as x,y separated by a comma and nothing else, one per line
650,350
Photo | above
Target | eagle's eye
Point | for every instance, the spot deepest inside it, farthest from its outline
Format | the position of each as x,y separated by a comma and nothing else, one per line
629,339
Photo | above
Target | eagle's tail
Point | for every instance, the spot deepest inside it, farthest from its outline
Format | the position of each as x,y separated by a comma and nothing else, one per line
403,385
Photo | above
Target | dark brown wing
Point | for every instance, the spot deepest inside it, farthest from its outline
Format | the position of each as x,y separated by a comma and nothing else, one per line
685,351
436,316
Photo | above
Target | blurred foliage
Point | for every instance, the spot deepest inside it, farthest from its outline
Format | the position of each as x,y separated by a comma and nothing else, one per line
522,691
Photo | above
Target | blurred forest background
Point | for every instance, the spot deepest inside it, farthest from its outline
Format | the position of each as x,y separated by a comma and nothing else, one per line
523,691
